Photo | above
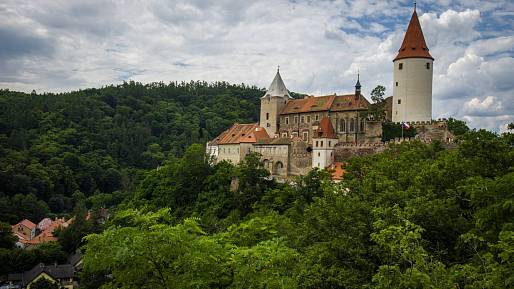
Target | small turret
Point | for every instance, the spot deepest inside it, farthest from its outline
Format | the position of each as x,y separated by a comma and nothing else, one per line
324,141
272,103
358,87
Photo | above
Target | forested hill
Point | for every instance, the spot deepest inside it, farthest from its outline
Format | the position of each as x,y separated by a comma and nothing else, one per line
96,140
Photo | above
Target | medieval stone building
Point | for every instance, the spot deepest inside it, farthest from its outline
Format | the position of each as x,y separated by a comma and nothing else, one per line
296,135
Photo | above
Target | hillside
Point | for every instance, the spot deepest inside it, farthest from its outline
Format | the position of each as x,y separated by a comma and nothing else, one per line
57,148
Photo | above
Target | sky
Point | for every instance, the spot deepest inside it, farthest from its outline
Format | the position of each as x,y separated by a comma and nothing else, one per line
57,46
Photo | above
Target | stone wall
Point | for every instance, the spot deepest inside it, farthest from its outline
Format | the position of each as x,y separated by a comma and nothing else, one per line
300,161
344,152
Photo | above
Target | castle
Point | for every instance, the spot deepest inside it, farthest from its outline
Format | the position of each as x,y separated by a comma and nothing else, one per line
295,135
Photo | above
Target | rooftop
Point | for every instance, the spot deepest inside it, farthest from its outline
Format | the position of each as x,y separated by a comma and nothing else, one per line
414,45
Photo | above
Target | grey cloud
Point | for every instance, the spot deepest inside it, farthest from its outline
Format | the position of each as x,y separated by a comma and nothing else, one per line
96,17
17,42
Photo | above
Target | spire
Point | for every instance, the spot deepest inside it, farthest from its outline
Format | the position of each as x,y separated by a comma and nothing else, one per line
414,45
277,87
358,86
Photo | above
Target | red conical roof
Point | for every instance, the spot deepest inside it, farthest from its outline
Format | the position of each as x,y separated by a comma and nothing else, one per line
414,45
325,129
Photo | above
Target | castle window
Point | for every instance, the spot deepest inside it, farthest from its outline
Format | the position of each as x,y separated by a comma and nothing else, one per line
268,125
317,117
342,126
295,134
308,119
302,119
295,119
428,65
321,143
319,154
400,66
397,83
305,135
267,115
399,101
287,120
329,143
362,125
316,143
284,134
352,125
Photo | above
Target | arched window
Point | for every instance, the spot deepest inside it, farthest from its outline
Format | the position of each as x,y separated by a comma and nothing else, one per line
352,125
342,125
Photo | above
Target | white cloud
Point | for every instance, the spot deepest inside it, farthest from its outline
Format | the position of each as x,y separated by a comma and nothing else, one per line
320,45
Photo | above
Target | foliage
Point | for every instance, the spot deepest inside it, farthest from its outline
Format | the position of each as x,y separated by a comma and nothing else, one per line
100,141
19,260
414,216
7,239
391,130
377,110
457,127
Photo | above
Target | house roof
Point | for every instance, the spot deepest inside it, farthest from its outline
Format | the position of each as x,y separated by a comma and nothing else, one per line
242,133
277,87
330,102
55,271
414,45
337,171
43,224
75,258
274,141
28,224
349,102
325,129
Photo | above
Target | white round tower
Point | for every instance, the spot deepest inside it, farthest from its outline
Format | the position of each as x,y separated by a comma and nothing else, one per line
413,74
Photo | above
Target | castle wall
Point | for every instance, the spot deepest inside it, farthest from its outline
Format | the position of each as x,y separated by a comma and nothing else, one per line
300,158
303,125
229,152
275,158
345,152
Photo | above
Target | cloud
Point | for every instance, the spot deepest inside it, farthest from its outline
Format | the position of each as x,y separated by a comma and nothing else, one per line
489,106
64,45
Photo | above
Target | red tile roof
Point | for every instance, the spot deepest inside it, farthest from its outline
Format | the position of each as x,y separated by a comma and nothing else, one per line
28,224
325,129
309,104
338,171
348,102
242,133
414,45
331,102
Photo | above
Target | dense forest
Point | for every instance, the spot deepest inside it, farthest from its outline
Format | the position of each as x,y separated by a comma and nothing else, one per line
414,216
93,144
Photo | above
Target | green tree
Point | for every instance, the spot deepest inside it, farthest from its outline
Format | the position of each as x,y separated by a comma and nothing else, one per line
7,238
457,127
376,110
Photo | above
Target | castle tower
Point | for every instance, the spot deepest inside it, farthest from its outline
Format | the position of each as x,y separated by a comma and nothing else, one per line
323,144
272,103
413,73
